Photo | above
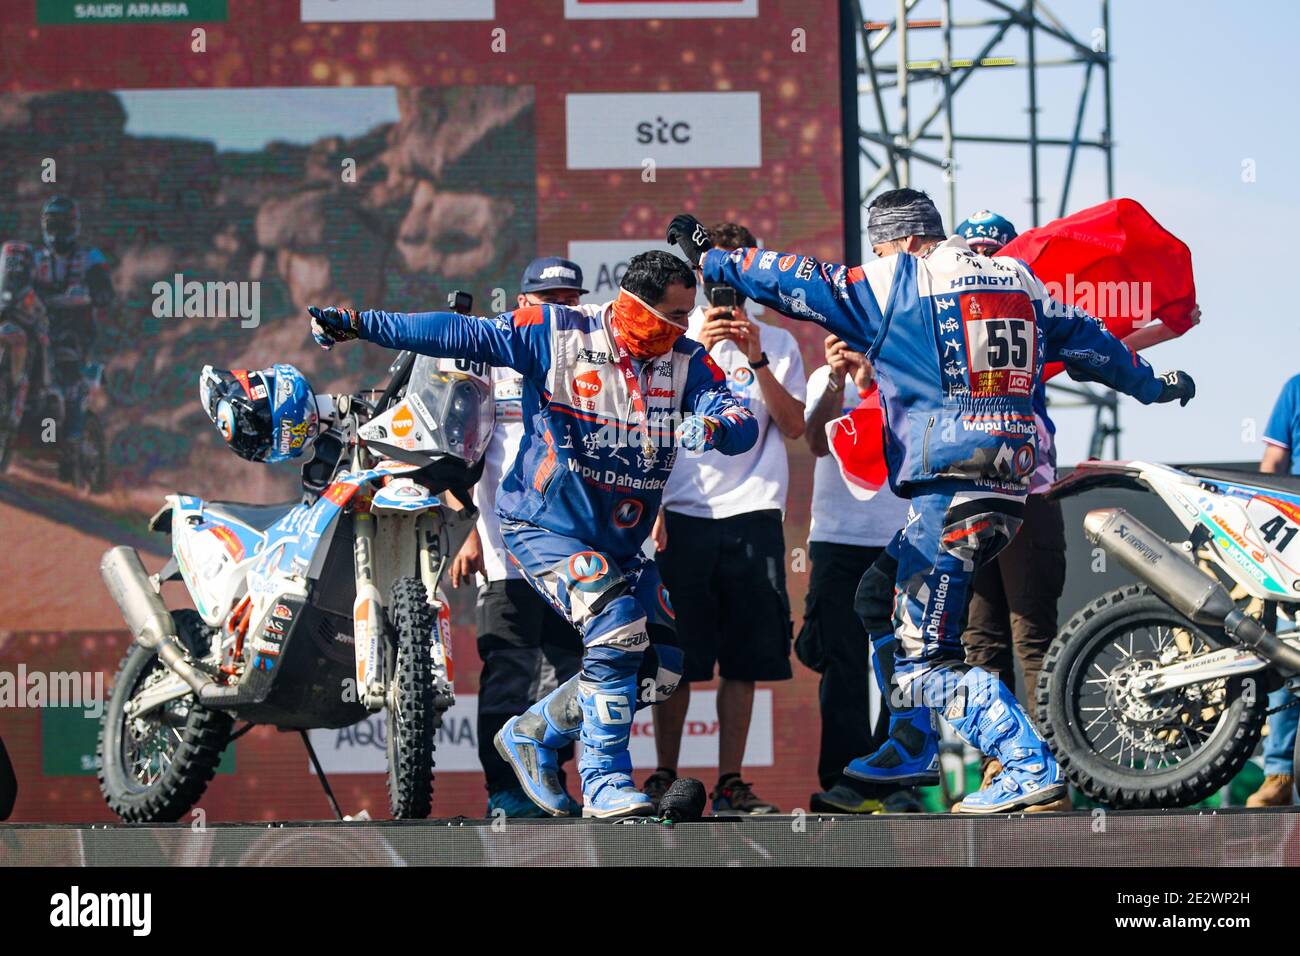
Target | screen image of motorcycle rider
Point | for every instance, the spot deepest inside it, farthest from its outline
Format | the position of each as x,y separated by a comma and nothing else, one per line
74,283
24,336
582,494
958,342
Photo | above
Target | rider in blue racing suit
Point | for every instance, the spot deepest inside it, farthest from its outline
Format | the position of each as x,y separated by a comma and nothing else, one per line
610,392
958,342
74,283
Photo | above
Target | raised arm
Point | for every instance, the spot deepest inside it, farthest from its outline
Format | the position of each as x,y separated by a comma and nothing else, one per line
519,340
1082,342
1074,337
833,296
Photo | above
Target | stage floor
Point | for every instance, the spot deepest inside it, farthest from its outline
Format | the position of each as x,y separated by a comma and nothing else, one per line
1095,838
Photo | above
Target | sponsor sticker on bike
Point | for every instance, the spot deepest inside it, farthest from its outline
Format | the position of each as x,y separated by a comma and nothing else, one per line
402,422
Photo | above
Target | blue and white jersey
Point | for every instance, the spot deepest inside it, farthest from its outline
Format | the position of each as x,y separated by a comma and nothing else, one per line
958,342
585,466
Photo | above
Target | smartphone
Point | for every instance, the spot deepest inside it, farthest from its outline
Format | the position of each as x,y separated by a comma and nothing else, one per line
461,302
723,296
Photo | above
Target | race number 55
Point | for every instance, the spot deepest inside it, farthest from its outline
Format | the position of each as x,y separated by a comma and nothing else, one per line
1008,343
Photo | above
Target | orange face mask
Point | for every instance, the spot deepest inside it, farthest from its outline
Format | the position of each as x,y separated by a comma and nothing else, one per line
644,330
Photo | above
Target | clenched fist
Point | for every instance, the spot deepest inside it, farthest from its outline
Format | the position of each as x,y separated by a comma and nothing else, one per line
697,432
1177,386
688,234
331,325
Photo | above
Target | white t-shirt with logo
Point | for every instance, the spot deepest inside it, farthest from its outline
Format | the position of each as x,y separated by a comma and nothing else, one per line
837,516
714,485
507,390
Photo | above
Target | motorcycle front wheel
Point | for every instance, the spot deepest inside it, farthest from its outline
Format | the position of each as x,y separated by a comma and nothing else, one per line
153,769
413,718
1128,749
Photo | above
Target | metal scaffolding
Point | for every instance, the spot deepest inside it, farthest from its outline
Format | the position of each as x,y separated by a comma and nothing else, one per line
892,134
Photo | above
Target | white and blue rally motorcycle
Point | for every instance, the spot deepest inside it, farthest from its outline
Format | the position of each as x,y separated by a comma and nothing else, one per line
1154,695
309,614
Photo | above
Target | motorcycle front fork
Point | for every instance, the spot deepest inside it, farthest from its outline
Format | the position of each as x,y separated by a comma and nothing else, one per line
367,614
368,610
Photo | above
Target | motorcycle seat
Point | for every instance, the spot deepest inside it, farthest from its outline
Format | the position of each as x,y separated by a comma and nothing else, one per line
258,517
1288,484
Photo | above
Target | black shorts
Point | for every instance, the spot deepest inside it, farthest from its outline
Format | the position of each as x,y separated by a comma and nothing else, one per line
726,580
526,647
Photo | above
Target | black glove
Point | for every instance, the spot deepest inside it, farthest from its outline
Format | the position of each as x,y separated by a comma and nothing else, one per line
1177,387
331,325
689,235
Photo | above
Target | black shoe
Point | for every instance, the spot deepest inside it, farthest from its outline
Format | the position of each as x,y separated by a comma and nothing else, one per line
657,784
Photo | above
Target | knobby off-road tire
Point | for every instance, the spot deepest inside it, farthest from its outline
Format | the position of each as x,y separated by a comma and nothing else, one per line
1110,635
413,719
156,770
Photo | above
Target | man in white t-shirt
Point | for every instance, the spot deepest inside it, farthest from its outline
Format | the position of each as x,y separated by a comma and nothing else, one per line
721,548
526,648
846,536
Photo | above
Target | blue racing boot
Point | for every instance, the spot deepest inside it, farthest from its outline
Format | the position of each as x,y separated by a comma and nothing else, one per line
910,756
531,741
984,713
605,764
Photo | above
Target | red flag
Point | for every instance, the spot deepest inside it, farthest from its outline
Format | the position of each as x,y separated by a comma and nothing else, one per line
857,442
1115,262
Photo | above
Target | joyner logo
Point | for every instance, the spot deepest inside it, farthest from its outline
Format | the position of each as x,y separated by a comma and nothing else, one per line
630,130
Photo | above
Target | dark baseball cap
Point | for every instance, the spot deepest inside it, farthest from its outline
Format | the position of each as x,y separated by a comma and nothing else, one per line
551,272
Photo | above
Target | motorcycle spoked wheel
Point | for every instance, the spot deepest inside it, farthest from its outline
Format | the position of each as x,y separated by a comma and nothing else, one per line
154,769
413,720
1129,751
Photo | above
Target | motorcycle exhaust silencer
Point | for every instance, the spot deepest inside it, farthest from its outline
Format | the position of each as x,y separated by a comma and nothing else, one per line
146,615
1180,583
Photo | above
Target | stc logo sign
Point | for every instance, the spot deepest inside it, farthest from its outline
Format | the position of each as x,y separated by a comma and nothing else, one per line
675,130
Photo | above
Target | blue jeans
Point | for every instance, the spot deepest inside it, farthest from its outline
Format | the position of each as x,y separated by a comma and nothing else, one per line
1279,745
